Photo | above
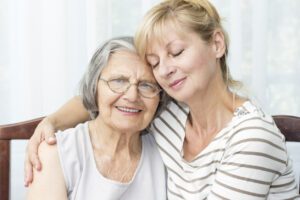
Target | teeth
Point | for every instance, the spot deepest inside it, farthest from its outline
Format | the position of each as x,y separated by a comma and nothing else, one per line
128,109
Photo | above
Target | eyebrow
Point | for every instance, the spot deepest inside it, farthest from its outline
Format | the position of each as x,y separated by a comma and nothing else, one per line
128,77
118,76
167,46
170,43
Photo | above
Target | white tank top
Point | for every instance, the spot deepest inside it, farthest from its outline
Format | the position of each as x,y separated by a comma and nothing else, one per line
84,181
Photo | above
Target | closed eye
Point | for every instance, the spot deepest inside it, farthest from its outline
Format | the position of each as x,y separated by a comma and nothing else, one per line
178,53
153,61
154,65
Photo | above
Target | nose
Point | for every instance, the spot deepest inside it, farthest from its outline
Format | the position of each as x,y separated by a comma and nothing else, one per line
132,93
166,68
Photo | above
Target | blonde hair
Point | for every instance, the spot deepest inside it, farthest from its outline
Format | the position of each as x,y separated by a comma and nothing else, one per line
199,16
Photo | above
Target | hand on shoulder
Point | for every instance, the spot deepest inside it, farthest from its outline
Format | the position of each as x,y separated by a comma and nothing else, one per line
44,132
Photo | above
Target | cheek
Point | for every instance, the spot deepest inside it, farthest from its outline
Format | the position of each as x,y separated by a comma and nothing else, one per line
158,78
152,106
102,105
105,100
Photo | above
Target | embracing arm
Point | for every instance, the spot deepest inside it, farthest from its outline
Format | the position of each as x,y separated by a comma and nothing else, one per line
70,114
49,183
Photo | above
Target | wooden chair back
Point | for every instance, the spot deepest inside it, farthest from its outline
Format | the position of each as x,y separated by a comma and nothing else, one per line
289,126
16,131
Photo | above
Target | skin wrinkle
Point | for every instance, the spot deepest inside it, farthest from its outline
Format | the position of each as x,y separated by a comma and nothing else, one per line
119,139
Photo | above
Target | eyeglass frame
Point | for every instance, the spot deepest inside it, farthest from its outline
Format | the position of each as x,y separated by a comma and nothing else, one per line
129,85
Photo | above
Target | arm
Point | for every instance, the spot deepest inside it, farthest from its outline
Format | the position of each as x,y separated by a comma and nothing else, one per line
70,114
49,183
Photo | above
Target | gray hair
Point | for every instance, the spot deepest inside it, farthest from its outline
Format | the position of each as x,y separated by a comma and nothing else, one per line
89,82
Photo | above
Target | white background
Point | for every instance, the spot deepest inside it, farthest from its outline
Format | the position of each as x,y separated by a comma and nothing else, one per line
46,45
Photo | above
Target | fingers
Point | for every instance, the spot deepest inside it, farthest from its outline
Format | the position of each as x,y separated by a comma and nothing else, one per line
31,160
28,171
51,139
49,132
31,163
44,131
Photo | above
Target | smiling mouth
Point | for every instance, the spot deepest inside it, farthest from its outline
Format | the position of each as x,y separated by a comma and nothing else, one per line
129,110
176,83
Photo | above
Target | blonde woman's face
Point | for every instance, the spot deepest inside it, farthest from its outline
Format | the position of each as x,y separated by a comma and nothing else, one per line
183,64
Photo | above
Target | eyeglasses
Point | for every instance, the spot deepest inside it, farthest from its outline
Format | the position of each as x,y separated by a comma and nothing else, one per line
121,85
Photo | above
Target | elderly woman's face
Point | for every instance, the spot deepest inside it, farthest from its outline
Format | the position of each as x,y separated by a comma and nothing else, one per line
127,111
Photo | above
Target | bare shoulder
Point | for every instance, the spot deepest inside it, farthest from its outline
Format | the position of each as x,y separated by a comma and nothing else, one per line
48,183
48,154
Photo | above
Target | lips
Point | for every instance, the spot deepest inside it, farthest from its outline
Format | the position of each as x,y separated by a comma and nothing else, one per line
128,110
176,83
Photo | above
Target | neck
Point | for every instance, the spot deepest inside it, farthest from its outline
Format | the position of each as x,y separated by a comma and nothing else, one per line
212,108
113,143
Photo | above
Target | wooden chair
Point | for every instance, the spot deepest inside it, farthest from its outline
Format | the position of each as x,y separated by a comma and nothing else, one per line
17,131
289,126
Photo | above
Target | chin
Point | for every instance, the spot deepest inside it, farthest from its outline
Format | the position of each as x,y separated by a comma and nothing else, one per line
181,96
129,128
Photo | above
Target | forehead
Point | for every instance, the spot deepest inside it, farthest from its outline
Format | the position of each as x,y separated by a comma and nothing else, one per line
127,64
165,34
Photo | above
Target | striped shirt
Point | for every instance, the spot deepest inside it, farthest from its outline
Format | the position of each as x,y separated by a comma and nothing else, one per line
246,160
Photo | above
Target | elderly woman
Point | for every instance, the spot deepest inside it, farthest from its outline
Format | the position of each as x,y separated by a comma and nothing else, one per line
107,157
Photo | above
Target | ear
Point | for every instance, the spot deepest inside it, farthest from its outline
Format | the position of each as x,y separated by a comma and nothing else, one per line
219,43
